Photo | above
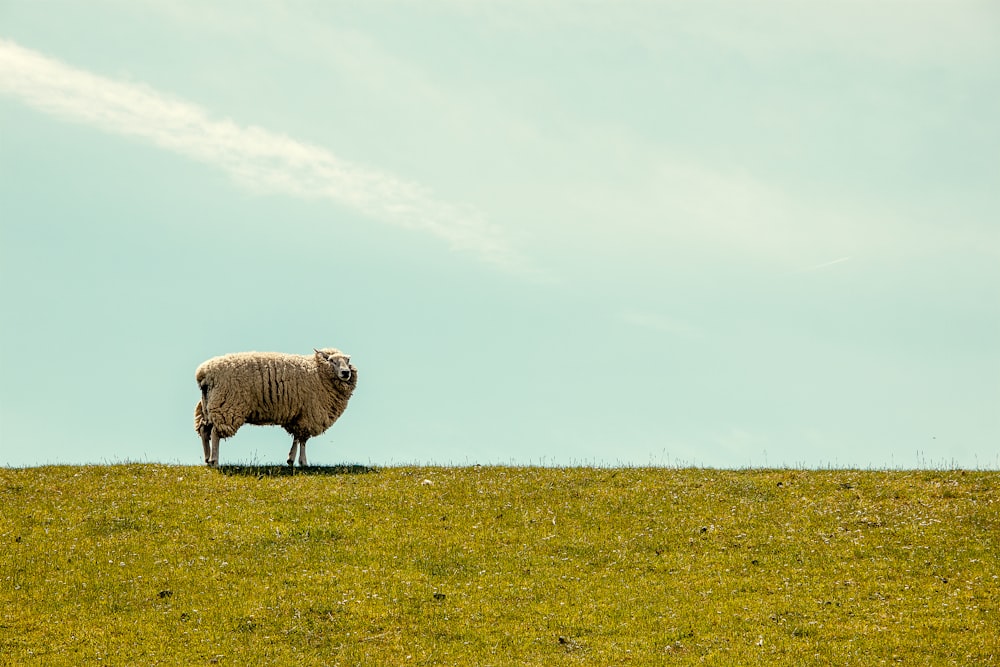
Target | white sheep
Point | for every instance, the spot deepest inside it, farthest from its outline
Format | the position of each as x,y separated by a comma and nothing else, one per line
303,394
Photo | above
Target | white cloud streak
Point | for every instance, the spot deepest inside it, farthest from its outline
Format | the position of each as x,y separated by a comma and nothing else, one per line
660,323
262,160
827,264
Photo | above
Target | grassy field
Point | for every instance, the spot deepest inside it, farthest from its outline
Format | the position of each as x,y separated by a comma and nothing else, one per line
155,564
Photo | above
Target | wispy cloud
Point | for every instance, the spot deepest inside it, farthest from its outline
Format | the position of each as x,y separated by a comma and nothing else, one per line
260,159
823,265
659,323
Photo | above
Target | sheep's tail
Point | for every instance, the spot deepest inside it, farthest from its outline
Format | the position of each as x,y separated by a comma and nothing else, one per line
204,402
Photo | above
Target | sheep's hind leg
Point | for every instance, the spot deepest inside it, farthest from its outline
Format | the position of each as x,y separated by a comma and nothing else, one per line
213,457
291,453
204,427
206,432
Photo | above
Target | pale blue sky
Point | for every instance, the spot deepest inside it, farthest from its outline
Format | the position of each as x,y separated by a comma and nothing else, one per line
717,233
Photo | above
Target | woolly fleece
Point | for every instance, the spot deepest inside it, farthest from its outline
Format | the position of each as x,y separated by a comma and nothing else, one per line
303,394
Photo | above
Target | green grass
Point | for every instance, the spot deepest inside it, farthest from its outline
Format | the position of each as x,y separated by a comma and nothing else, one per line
154,564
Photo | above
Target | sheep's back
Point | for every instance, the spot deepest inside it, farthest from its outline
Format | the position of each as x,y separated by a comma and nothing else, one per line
272,387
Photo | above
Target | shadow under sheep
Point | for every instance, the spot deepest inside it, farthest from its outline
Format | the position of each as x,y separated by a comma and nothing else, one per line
259,471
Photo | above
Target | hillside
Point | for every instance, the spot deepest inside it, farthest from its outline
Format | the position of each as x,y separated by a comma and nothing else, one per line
156,564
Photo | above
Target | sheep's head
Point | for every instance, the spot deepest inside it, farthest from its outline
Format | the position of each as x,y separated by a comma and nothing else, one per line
336,362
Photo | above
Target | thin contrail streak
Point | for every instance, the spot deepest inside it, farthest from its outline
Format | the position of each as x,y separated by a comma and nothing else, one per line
263,160
826,264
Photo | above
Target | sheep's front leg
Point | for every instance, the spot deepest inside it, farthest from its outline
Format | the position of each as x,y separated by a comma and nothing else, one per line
213,458
302,453
291,453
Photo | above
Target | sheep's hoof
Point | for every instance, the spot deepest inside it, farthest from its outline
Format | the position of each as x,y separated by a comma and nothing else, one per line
290,462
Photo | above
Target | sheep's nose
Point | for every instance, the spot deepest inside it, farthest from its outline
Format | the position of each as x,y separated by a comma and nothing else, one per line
345,375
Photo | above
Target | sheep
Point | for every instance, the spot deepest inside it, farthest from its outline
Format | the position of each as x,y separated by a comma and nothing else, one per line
302,394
